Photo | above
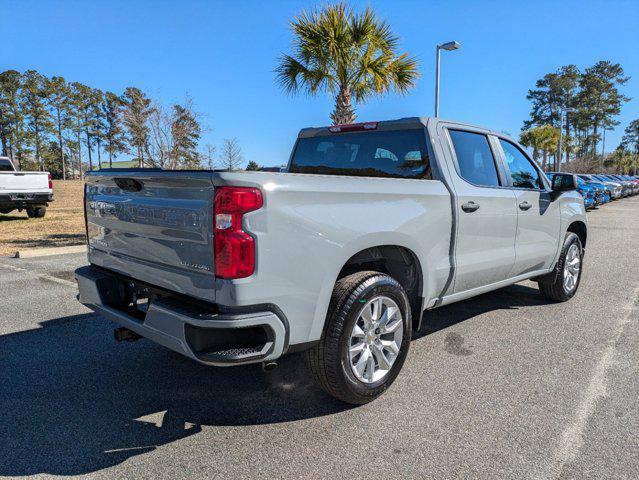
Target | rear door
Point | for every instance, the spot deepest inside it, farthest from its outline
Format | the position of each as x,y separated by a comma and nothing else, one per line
154,226
538,220
486,212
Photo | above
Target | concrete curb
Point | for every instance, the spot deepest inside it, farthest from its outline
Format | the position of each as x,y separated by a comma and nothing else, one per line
44,252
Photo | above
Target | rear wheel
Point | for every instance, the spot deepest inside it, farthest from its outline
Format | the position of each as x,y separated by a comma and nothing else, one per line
366,338
562,283
36,212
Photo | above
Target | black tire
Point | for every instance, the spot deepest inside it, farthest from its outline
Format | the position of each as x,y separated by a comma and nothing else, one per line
329,359
36,212
552,286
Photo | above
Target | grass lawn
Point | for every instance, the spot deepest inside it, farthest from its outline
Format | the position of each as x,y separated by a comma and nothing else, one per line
63,224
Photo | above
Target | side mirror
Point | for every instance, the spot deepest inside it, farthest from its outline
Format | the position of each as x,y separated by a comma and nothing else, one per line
564,182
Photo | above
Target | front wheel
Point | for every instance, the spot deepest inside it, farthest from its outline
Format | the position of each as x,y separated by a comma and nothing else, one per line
366,339
561,284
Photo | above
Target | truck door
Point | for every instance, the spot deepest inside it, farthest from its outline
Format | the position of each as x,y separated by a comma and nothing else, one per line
539,220
486,212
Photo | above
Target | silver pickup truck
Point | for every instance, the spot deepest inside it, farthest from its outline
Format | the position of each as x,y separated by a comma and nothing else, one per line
371,225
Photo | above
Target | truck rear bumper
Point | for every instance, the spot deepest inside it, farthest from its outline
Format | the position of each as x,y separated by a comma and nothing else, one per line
194,329
24,200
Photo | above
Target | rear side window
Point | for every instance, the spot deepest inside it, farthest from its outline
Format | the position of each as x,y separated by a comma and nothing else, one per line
522,171
395,154
5,166
474,157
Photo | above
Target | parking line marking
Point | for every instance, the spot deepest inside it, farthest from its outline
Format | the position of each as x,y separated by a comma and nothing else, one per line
572,438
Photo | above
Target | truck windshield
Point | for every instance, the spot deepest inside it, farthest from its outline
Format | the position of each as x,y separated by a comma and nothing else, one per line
392,153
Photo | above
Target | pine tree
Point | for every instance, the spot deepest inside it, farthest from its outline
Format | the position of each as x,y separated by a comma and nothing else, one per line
38,117
599,98
115,139
97,121
137,110
252,166
12,128
58,95
185,133
78,116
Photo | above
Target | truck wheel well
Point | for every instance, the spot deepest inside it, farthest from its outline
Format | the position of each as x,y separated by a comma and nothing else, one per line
398,262
579,229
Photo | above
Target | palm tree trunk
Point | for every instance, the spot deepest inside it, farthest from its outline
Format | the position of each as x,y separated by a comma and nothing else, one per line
343,113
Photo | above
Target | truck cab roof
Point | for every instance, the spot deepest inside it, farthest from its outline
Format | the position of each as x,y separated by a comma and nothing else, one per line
406,123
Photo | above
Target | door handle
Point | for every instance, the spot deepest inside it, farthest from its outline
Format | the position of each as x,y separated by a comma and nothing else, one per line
525,205
470,207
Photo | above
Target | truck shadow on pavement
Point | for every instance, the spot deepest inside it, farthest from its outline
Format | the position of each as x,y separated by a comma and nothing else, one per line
509,298
74,402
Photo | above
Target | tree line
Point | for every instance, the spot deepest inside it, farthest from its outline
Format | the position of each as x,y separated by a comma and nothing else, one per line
584,105
68,127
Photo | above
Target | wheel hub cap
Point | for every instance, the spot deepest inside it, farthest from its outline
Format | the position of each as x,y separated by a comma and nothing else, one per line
572,268
376,339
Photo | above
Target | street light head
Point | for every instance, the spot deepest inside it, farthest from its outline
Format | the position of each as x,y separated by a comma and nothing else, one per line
450,46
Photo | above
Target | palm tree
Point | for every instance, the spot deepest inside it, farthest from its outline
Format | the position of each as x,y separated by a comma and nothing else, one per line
351,56
544,138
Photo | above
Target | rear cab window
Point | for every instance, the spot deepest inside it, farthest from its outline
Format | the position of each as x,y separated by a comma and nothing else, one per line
380,153
6,165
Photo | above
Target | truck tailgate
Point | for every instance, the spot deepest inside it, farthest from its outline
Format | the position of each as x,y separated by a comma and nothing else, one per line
154,226
24,182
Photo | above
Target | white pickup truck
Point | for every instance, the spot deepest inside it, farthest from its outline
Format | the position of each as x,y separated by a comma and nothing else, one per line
342,255
30,191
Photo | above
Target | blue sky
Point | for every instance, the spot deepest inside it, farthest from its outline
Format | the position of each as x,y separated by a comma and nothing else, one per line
223,55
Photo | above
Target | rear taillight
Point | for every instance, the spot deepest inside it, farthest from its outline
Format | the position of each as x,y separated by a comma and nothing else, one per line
234,248
50,182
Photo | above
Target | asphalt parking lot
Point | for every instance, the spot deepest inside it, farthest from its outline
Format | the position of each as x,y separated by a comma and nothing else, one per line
505,385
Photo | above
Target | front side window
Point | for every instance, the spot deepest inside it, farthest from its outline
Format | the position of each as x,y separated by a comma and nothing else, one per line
390,153
522,172
474,157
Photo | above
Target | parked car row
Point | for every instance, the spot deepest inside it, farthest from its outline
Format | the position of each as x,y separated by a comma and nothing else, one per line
597,189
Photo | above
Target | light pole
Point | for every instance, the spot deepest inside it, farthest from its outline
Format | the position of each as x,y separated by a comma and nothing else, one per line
561,136
444,46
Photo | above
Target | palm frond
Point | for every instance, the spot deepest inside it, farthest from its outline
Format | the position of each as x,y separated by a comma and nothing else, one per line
336,49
